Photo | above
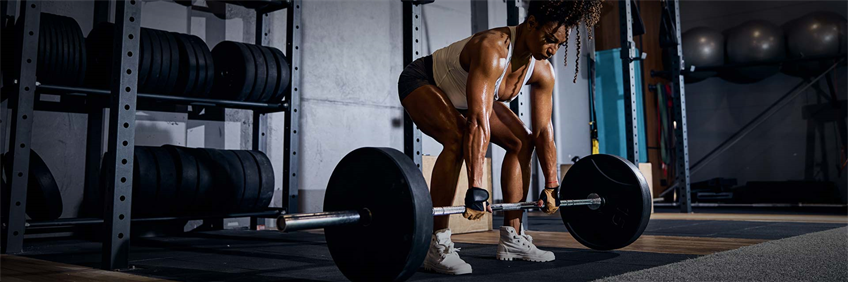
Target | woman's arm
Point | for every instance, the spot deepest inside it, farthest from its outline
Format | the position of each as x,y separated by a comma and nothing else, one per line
541,91
485,66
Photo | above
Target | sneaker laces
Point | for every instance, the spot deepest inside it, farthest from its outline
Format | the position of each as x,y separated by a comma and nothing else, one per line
447,249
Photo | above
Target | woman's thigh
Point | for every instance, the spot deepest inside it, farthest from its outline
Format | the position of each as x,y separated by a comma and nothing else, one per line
434,114
508,130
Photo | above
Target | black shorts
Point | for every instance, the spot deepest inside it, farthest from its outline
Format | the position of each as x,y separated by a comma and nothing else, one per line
416,74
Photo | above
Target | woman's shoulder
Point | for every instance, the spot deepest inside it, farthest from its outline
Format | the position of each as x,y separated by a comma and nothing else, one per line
496,38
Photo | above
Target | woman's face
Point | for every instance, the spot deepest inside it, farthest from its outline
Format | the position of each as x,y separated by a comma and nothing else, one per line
544,41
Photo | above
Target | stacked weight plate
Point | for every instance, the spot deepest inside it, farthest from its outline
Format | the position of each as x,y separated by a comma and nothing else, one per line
248,72
177,181
44,201
169,63
61,51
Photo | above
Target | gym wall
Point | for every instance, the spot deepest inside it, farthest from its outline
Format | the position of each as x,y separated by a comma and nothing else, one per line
776,150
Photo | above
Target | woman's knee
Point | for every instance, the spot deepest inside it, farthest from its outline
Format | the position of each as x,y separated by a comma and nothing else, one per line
522,144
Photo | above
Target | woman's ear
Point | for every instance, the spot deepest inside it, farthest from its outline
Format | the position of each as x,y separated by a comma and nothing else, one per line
531,22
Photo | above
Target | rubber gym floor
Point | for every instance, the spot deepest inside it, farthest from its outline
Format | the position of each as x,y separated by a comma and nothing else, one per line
711,244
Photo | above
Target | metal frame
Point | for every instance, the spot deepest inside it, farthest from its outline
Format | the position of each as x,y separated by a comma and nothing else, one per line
411,51
123,101
292,140
118,196
260,120
629,81
681,133
23,100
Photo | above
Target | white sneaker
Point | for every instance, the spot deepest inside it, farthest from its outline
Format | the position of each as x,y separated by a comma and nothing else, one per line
443,257
520,246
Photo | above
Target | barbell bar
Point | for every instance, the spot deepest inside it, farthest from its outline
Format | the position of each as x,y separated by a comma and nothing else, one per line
306,221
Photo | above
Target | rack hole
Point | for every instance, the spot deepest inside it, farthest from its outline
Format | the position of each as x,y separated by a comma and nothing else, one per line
123,180
127,89
129,71
29,61
127,107
130,36
31,33
124,161
20,174
129,54
121,217
24,117
23,145
123,198
26,88
120,235
18,204
126,125
132,19
126,143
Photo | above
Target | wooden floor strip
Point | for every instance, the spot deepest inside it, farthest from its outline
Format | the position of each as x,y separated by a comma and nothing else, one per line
16,268
645,243
754,217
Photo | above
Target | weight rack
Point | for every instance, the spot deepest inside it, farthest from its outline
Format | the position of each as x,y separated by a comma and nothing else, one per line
123,102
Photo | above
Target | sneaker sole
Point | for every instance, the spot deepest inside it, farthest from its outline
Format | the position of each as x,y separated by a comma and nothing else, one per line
443,271
510,257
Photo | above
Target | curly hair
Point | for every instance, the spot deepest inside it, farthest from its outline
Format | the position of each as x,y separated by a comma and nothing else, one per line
568,13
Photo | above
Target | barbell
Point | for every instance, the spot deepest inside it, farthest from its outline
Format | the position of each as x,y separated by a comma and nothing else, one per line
378,216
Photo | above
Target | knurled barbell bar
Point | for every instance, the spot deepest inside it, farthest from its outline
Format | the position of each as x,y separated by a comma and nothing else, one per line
378,216
306,221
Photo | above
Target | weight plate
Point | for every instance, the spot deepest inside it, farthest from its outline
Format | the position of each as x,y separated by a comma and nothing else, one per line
43,201
271,81
235,71
144,50
236,172
72,73
63,62
156,77
164,63
210,65
166,197
626,210
9,37
283,75
97,43
252,181
226,191
54,53
186,80
186,171
145,182
202,67
82,67
266,176
205,172
390,186
261,75
174,62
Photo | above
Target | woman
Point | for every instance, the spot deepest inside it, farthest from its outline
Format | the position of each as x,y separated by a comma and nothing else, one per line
457,97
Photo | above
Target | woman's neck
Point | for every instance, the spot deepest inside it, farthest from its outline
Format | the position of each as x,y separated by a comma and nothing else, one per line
520,53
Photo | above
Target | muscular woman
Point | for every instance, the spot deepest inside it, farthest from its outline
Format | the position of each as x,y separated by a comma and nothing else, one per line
457,96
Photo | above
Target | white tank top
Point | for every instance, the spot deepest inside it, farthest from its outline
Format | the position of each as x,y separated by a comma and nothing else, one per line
452,79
